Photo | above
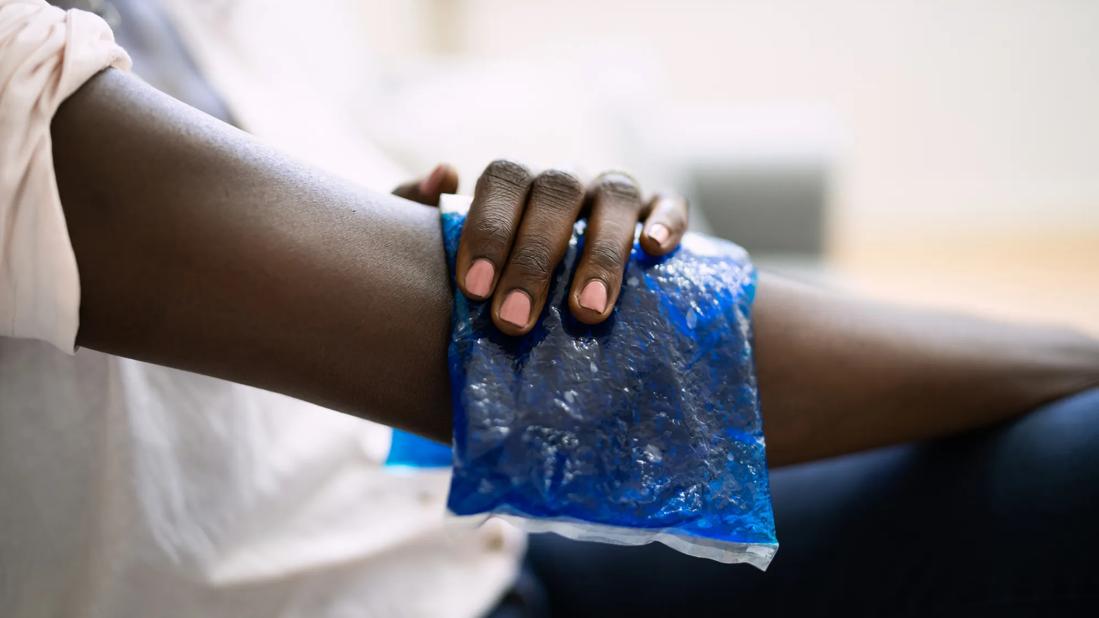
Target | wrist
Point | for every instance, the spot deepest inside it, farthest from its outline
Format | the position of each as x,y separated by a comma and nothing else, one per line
1071,365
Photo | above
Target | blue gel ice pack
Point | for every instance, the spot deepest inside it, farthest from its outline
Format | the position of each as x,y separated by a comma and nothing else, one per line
644,428
408,450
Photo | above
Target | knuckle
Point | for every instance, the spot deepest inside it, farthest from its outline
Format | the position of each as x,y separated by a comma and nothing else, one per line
492,231
559,189
532,260
507,174
620,187
606,256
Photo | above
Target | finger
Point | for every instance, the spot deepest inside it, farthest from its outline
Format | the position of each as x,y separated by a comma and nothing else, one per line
498,202
543,238
665,224
615,208
443,179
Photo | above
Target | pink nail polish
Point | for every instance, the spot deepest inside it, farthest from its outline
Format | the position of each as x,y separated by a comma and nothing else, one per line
594,296
516,308
479,277
659,232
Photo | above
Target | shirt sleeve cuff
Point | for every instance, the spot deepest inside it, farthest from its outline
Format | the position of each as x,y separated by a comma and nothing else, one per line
46,54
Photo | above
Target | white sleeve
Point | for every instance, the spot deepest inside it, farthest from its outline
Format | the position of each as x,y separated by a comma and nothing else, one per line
45,55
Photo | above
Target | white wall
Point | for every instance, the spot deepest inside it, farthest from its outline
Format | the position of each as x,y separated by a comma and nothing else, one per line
969,168
957,111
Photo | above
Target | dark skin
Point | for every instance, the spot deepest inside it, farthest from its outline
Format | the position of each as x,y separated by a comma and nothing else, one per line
520,224
201,249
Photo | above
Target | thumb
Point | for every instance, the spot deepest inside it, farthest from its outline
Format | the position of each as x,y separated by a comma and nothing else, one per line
442,179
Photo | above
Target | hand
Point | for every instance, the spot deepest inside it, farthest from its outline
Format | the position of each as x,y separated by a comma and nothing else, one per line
427,190
519,227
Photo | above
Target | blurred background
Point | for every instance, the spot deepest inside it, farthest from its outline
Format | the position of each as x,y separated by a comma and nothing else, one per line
942,153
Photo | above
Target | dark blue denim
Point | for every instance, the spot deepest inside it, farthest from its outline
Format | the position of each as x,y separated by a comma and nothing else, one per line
999,522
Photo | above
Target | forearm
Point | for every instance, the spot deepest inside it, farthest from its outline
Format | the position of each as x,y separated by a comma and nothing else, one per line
840,374
201,249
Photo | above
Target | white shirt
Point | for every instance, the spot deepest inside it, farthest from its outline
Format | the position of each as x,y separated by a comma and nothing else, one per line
128,489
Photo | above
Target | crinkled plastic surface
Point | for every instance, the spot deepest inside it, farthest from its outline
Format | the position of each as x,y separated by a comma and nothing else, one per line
644,428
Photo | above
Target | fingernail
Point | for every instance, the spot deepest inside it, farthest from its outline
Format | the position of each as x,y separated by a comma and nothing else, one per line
479,277
594,296
659,232
516,308
431,184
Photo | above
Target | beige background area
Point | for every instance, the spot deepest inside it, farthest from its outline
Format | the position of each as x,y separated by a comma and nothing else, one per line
1048,277
964,148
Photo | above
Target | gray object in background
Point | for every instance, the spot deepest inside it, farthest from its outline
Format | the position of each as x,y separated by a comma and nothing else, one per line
757,175
773,208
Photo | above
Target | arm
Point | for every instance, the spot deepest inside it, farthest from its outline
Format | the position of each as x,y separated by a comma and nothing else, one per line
840,374
201,249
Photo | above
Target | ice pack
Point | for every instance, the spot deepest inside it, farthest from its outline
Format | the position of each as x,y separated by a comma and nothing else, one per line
644,428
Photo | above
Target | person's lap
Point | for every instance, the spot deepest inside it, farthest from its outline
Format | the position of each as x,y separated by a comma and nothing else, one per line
1000,522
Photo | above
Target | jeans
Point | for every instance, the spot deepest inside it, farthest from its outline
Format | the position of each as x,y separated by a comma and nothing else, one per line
1002,521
